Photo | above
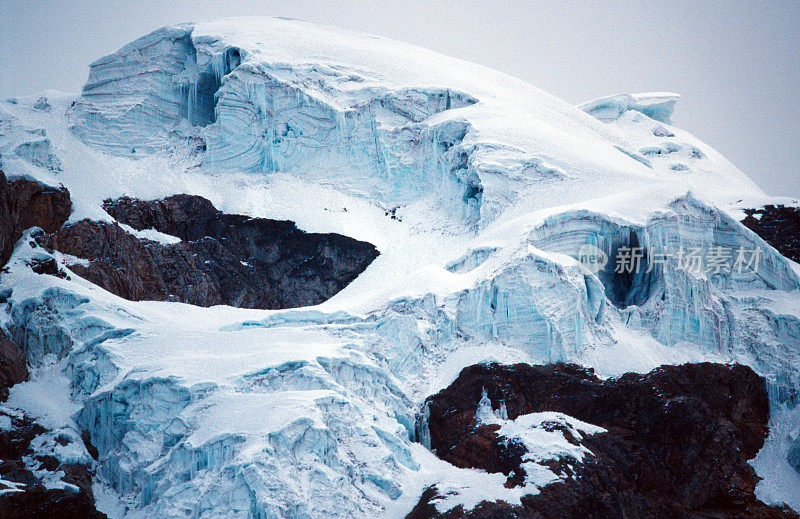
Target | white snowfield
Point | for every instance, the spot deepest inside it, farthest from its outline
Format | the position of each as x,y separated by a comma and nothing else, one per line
495,187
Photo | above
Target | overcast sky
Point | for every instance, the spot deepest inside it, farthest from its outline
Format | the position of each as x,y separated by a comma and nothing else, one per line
736,63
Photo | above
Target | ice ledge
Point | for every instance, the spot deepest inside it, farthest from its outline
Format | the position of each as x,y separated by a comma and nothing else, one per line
656,105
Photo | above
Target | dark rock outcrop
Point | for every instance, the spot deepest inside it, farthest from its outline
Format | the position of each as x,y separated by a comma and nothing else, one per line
777,225
221,258
676,444
34,500
13,367
24,204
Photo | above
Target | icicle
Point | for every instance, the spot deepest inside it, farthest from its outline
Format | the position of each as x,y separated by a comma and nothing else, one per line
485,413
502,413
423,432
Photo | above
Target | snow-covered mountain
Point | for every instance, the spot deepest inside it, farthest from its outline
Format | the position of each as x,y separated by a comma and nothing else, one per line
480,194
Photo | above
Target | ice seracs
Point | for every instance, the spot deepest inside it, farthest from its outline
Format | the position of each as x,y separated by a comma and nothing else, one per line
380,119
477,189
656,105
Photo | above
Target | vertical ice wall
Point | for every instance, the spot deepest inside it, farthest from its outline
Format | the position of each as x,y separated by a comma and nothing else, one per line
169,87
371,142
150,94
715,312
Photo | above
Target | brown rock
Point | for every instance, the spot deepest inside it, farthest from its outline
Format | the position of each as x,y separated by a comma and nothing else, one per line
777,225
222,259
677,444
24,204
13,367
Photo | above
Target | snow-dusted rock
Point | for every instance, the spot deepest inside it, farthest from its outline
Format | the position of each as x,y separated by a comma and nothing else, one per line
615,446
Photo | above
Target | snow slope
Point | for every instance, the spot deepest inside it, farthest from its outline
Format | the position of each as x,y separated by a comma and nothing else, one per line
479,191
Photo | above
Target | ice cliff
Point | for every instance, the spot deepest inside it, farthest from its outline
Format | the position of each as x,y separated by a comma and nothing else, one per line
377,118
478,190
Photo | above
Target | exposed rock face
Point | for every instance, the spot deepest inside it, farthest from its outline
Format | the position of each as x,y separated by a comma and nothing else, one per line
777,225
33,499
221,259
677,442
13,368
24,204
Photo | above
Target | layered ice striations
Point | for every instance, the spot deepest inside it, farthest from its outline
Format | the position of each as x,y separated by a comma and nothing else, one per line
268,121
534,304
390,123
324,122
712,311
152,93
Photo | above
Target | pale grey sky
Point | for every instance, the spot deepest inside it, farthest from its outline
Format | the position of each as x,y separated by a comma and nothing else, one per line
736,63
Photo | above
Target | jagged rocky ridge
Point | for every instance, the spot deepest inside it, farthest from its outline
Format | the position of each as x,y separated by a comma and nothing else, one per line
675,443
217,258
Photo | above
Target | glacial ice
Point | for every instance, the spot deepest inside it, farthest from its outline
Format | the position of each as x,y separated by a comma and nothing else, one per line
478,189
39,153
262,118
677,306
253,102
656,105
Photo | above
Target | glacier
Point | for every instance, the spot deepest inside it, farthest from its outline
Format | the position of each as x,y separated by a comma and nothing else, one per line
479,191
656,105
